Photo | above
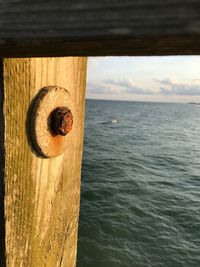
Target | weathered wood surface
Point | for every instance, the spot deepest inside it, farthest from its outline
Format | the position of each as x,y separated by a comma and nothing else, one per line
2,166
88,27
41,195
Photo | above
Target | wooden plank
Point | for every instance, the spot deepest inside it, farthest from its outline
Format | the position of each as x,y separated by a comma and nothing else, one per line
2,167
94,28
41,195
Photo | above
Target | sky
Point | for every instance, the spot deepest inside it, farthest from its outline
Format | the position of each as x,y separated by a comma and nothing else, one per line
160,79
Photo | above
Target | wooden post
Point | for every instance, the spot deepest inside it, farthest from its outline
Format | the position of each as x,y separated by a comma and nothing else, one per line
42,195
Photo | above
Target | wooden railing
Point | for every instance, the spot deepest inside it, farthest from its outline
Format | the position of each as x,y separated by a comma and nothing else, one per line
40,192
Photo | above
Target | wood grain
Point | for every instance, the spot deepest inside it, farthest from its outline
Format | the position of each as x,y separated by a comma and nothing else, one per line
91,28
2,167
41,195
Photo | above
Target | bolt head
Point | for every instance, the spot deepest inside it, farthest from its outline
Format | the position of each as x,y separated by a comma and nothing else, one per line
61,121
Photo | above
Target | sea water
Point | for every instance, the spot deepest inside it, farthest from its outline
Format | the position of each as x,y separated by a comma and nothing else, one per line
140,192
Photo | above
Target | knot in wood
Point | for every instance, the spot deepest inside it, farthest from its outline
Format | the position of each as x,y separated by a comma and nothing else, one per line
61,121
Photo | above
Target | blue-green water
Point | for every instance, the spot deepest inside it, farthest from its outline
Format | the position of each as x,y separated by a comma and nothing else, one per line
140,200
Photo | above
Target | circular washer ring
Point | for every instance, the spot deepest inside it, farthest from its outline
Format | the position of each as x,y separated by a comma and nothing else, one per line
43,141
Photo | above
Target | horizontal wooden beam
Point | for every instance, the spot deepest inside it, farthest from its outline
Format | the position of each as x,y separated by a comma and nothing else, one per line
99,28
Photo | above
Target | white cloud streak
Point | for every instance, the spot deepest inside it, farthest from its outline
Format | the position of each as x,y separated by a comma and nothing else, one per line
170,87
117,86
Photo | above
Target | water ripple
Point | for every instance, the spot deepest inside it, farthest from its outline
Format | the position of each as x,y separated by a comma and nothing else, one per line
140,200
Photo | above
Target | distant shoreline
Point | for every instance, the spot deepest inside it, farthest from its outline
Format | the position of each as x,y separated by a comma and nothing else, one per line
194,103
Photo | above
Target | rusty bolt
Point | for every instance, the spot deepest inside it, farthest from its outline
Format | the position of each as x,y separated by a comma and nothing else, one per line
61,121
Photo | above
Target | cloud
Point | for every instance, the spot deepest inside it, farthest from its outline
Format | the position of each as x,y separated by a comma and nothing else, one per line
128,86
166,81
101,88
117,86
170,87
